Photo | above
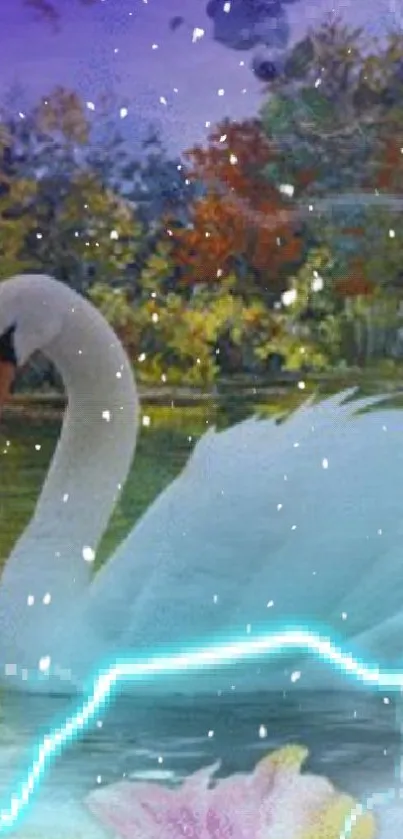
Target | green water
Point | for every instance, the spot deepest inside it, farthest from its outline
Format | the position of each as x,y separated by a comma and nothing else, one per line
28,438
27,444
29,433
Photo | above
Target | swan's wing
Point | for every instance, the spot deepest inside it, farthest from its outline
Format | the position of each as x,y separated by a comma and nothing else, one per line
268,525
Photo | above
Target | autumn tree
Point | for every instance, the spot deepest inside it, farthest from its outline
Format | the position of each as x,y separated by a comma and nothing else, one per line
239,223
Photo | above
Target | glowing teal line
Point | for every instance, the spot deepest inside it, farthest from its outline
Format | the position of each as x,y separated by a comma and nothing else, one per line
219,654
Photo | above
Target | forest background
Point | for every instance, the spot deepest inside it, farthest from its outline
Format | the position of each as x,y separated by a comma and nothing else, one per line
274,249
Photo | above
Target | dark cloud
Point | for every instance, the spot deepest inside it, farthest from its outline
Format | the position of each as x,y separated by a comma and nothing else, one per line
176,22
245,24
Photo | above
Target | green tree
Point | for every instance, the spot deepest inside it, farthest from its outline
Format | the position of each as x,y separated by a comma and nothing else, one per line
338,93
72,224
17,192
337,115
308,334
181,335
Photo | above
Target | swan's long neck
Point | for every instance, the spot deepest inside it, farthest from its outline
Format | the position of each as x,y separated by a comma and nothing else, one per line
52,559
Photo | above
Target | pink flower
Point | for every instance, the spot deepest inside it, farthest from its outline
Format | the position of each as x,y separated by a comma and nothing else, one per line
274,802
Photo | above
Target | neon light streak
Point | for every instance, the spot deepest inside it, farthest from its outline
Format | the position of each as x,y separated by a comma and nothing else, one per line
210,657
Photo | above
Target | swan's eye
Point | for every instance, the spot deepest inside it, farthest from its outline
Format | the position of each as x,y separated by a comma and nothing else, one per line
7,348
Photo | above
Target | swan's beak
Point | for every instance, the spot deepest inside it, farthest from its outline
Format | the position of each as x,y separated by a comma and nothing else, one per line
8,364
7,376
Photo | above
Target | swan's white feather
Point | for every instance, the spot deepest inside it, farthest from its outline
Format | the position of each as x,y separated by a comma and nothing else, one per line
305,516
216,547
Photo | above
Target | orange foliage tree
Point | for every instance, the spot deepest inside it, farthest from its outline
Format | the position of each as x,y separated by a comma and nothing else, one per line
241,218
387,174
356,283
377,262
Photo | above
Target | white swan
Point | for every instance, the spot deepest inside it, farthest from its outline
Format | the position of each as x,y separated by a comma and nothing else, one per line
268,524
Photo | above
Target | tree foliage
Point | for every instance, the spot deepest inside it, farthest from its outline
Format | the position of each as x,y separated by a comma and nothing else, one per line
67,222
215,265
177,336
336,106
337,114
239,220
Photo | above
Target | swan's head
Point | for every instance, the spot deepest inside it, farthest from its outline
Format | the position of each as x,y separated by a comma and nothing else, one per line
31,315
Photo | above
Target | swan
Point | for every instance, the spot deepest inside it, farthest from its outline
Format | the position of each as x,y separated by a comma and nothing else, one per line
268,524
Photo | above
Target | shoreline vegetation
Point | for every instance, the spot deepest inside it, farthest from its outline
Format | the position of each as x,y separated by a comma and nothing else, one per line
47,401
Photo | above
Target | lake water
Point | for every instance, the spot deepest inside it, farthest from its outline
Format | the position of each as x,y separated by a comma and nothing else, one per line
353,739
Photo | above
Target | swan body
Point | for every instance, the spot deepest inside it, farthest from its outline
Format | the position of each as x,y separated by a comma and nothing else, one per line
268,525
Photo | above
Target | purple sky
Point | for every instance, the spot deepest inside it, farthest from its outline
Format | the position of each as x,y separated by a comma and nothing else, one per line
83,55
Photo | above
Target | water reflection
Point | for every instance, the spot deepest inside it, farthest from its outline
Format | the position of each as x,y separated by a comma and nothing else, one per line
354,739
